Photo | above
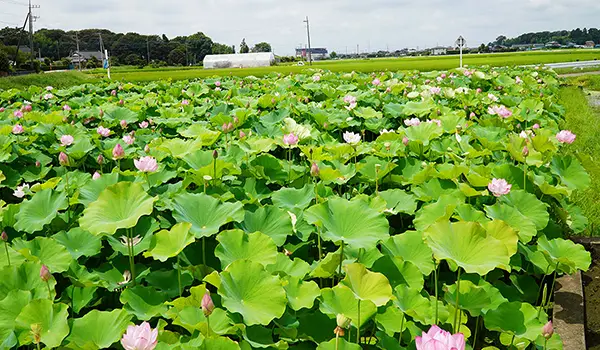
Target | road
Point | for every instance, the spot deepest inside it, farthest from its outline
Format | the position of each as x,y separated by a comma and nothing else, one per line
577,64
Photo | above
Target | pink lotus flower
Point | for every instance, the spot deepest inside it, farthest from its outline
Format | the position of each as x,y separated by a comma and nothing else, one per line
290,139
118,152
439,79
217,83
17,129
518,80
566,136
185,103
499,187
443,76
500,111
478,90
49,88
102,131
405,141
472,115
242,134
45,274
535,126
66,108
140,337
96,176
63,159
412,122
467,73
548,330
437,121
493,97
2,109
27,108
20,191
146,164
525,151
18,114
114,92
128,139
376,82
207,304
438,339
435,90
143,124
523,135
123,123
66,140
48,96
351,138
349,99
388,90
316,78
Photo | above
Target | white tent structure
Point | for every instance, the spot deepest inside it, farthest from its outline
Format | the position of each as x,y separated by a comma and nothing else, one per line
241,60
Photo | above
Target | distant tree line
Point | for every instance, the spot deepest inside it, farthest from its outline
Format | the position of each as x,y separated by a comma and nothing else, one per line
124,48
577,36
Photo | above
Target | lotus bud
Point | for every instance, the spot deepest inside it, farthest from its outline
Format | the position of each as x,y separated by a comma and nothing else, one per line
121,102
38,164
63,159
525,151
114,92
146,148
96,176
215,154
45,273
207,304
242,134
2,109
101,114
118,151
100,160
236,120
325,125
123,123
314,170
27,108
405,141
343,321
472,115
536,126
548,330
4,236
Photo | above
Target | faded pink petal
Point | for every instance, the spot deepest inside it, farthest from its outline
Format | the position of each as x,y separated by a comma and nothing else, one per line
499,187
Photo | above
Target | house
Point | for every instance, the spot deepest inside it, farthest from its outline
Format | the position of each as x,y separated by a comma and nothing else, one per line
521,47
317,53
83,56
438,50
589,44
553,44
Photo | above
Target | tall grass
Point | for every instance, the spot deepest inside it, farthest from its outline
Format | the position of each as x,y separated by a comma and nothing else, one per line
58,80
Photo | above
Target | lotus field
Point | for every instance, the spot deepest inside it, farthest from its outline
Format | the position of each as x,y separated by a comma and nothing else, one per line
321,210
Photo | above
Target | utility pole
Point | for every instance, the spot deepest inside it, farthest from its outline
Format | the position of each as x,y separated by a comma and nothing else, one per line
78,53
31,18
308,35
148,48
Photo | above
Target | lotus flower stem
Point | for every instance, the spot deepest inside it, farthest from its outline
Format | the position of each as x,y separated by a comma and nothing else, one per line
319,243
49,291
540,291
457,311
147,180
435,277
525,175
401,330
341,260
208,325
476,331
337,340
552,288
545,343
214,172
358,324
131,254
68,200
204,251
38,346
179,274
7,255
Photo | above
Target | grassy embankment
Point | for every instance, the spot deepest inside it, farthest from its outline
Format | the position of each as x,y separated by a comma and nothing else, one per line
584,120
57,80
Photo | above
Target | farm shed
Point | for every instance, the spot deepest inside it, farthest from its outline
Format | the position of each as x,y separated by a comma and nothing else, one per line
241,60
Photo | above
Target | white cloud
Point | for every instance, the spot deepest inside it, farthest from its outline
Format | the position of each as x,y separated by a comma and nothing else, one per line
335,24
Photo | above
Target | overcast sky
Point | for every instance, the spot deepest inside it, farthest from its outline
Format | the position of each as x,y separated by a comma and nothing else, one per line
335,24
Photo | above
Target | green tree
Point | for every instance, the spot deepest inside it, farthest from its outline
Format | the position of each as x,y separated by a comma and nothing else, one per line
244,47
199,45
221,49
4,62
333,54
176,57
262,47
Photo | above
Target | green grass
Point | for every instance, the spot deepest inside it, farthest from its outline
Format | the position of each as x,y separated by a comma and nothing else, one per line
578,70
366,65
584,121
588,82
58,80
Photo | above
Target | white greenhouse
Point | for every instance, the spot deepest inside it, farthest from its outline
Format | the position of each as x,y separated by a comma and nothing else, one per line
241,60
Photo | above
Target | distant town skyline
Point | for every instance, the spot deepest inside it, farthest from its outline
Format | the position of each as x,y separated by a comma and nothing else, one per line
336,25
